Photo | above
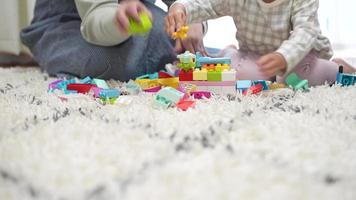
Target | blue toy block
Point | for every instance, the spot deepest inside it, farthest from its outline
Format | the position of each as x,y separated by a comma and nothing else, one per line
345,79
168,96
100,83
63,85
153,76
86,80
109,93
200,60
243,85
70,91
132,87
263,83
162,102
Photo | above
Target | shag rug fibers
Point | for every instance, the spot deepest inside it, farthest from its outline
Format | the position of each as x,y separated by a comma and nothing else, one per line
282,145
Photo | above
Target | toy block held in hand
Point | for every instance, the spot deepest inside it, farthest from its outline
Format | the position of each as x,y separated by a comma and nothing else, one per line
141,28
181,33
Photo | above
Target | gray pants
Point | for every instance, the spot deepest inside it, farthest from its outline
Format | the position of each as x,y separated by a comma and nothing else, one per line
57,45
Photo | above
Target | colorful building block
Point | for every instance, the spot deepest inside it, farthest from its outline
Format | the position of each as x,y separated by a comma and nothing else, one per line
242,85
109,93
295,82
263,82
200,60
86,80
95,91
63,85
228,75
345,79
185,104
142,27
153,90
201,94
54,85
147,83
214,75
80,87
168,96
185,75
186,61
162,74
220,87
171,82
132,87
254,89
200,75
100,83
181,33
274,86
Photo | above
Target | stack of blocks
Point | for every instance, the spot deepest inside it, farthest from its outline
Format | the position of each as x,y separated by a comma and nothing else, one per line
212,74
96,87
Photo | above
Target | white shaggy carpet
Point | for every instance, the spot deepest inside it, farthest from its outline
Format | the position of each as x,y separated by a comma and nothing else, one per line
284,145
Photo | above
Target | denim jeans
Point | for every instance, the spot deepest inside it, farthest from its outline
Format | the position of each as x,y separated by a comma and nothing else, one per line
56,42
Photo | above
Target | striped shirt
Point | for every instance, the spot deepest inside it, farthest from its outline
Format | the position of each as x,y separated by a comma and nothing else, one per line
289,27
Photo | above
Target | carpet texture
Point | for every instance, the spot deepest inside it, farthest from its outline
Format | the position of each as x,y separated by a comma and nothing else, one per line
280,145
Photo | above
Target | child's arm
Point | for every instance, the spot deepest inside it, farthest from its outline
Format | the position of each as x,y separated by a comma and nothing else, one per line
305,32
184,12
105,22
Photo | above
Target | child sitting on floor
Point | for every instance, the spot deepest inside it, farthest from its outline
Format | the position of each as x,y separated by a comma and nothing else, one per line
276,37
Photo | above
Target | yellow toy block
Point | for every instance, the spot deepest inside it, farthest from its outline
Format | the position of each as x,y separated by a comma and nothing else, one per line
147,83
200,75
171,82
219,67
181,33
225,67
274,86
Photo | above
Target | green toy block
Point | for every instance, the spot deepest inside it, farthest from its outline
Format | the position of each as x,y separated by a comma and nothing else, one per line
296,83
140,28
214,75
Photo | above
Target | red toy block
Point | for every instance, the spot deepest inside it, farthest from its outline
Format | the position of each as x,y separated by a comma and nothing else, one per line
255,89
80,87
186,75
164,75
185,104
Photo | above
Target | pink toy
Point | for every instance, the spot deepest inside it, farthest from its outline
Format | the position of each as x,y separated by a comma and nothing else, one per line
153,89
201,94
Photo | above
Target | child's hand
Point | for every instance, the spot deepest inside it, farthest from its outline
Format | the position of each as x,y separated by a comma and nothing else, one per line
193,42
129,9
175,19
272,64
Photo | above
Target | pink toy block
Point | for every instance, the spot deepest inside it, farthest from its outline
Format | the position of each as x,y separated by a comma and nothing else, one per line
153,89
201,94
96,91
53,85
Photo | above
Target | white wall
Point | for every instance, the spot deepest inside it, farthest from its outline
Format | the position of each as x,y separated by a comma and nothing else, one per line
14,15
